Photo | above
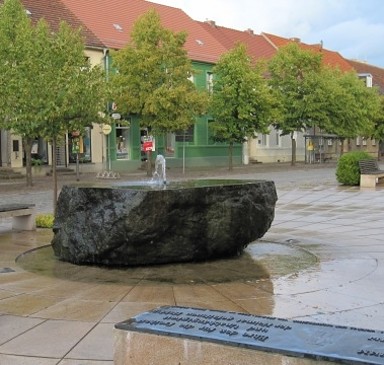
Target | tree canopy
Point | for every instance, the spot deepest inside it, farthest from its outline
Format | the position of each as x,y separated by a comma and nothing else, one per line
152,78
241,103
317,95
48,86
351,107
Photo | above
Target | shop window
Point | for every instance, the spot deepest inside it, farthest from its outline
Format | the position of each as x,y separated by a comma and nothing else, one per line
122,141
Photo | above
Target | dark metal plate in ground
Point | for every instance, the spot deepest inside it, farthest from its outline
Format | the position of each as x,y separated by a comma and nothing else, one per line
4,270
295,338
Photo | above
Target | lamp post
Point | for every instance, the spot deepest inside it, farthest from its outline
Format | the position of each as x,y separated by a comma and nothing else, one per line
106,130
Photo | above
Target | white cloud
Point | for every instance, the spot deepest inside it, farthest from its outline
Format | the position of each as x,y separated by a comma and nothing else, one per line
357,39
352,27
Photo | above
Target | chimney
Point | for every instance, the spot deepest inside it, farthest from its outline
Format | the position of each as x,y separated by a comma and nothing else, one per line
295,39
212,23
250,31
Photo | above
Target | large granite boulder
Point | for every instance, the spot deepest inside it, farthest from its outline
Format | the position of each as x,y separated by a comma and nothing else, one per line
197,221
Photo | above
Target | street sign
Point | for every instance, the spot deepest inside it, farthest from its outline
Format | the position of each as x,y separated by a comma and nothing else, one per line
147,144
106,129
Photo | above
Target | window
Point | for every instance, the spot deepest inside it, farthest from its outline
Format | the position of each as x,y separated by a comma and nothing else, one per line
209,82
122,141
274,140
263,140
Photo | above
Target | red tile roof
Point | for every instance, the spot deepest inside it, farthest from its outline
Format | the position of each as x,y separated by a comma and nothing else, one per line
56,12
376,72
112,21
330,58
257,46
108,23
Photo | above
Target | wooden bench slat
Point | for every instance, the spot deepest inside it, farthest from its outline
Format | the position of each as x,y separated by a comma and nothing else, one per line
368,166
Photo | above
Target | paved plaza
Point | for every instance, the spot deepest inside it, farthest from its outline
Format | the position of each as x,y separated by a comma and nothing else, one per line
322,261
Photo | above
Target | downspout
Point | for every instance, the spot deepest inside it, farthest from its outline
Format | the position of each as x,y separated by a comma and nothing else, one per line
106,62
107,138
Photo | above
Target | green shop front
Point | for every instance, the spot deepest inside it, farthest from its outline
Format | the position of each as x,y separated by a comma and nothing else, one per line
128,143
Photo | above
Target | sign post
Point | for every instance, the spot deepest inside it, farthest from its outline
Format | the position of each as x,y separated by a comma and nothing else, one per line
107,129
147,146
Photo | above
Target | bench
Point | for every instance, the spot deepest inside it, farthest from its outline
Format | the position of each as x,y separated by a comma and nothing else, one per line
369,173
323,157
23,215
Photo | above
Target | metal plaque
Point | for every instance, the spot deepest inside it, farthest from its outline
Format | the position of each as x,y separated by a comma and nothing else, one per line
288,337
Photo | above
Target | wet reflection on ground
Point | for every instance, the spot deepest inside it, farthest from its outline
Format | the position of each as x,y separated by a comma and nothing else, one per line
260,260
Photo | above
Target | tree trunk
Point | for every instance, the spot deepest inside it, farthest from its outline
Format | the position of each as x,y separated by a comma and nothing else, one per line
28,160
230,156
149,163
54,174
342,146
293,157
9,148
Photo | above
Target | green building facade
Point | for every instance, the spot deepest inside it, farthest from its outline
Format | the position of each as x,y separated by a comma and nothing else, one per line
190,148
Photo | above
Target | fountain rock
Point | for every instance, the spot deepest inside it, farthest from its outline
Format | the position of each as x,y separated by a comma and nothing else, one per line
126,226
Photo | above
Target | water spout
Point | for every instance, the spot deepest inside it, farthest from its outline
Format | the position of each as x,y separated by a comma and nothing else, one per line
159,174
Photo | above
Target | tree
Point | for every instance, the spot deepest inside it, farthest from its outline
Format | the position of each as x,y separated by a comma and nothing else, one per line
351,107
52,88
295,74
378,133
75,92
152,78
15,34
241,103
316,95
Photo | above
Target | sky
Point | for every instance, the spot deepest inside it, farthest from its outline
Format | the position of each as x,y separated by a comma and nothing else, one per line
354,28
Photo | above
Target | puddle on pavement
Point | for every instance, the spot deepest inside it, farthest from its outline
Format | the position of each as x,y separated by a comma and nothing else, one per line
261,260
281,259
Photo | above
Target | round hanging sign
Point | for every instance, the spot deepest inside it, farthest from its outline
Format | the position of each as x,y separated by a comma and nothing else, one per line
106,129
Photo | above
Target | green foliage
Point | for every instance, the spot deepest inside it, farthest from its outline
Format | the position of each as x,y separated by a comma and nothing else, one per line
347,171
295,76
351,107
378,131
314,95
44,220
153,78
36,162
241,104
47,85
